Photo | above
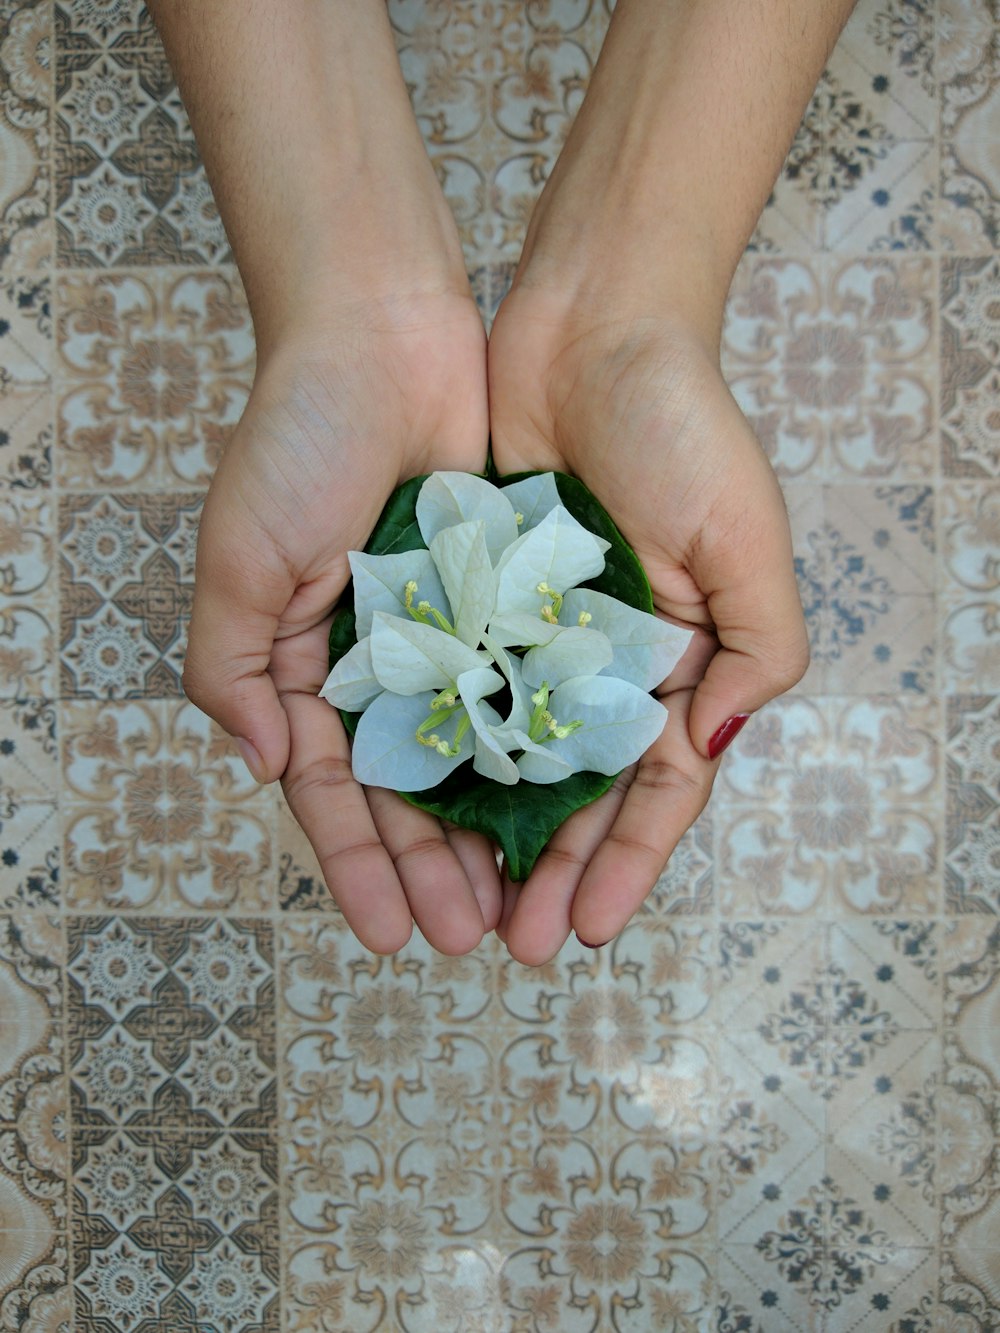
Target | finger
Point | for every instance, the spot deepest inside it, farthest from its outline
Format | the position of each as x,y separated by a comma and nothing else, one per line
334,814
479,859
541,916
509,895
671,788
440,896
238,600
690,670
749,578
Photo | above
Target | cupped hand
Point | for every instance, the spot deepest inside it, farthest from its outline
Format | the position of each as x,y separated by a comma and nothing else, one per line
639,411
338,417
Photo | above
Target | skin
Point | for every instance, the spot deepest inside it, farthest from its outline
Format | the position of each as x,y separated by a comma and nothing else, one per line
603,362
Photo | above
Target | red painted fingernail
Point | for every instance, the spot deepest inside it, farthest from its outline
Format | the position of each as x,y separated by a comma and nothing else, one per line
586,943
726,734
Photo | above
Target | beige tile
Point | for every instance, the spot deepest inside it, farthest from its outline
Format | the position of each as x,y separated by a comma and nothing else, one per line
969,73
970,377
834,364
153,373
28,606
833,806
159,811
970,584
972,868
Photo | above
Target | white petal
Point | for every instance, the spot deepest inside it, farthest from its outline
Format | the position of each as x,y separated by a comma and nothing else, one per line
518,629
646,649
467,575
447,498
380,585
491,759
521,706
352,683
559,552
408,657
386,752
541,763
533,498
620,722
573,652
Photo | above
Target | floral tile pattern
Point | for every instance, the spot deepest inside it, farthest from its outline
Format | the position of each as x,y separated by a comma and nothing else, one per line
25,106
27,596
26,382
175,1162
970,367
972,874
130,188
159,810
153,373
829,806
126,582
969,70
970,581
833,364
33,1140
772,1105
861,174
29,805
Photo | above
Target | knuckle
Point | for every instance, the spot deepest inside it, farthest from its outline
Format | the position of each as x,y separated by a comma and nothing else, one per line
564,856
329,776
425,848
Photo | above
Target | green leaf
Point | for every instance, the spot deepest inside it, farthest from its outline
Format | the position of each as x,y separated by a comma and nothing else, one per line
523,817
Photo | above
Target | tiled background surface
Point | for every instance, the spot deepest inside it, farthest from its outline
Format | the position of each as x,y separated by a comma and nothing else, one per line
774,1103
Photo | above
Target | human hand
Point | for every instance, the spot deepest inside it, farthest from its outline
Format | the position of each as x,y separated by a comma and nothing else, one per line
639,411
339,416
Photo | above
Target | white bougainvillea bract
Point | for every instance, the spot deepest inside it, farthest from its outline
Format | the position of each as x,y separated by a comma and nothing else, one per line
492,609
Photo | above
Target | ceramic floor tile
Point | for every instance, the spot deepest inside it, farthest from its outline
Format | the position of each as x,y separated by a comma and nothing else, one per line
862,171
33,1138
153,373
25,103
160,811
834,364
832,806
972,867
28,606
970,367
969,528
969,73
29,805
25,386
126,583
130,187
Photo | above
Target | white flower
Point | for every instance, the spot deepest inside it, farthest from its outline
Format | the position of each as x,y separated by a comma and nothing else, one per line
492,610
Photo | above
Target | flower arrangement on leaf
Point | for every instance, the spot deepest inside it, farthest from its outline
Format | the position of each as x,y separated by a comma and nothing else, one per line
497,663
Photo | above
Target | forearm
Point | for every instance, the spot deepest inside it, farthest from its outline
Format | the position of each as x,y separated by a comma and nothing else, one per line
690,112
306,131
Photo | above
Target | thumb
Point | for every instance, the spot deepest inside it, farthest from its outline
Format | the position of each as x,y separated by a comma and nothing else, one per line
240,593
754,603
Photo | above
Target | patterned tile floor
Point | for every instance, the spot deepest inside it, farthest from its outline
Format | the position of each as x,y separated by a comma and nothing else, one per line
773,1104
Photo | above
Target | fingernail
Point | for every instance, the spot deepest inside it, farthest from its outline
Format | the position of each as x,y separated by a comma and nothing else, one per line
726,734
586,943
251,757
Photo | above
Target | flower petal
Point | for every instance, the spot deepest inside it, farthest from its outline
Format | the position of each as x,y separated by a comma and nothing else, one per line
620,722
646,649
380,585
447,498
491,760
519,629
541,763
559,552
352,683
463,562
408,657
533,498
573,652
386,752
520,711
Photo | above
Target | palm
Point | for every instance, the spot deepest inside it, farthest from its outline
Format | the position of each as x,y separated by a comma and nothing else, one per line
328,433
641,415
